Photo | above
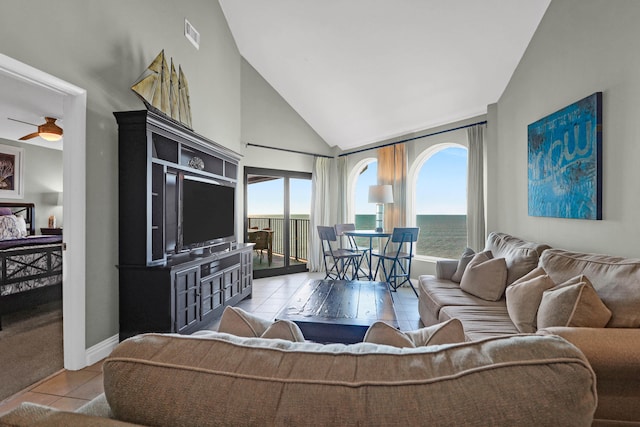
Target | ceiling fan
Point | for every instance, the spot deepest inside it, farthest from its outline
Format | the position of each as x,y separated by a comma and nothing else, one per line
48,130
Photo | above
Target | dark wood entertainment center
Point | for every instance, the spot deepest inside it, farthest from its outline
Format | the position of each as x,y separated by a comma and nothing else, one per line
162,287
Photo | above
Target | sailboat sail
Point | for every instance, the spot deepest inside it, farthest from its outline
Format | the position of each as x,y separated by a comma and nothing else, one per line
185,108
174,94
162,89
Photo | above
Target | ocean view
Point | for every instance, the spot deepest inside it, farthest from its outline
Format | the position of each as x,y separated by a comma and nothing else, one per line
443,236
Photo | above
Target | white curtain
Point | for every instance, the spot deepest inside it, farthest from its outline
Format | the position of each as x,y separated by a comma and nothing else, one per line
475,189
392,170
321,199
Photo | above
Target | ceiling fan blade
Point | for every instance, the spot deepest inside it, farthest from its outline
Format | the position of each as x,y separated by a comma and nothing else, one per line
31,135
21,121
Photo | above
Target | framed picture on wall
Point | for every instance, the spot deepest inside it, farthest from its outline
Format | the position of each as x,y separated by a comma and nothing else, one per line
11,172
565,162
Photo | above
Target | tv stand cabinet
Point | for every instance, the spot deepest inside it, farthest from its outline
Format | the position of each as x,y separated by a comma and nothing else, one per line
162,290
186,294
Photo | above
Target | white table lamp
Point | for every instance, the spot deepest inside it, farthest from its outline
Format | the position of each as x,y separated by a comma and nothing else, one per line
380,194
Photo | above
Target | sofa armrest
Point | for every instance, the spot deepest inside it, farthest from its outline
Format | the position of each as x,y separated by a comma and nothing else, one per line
614,353
445,268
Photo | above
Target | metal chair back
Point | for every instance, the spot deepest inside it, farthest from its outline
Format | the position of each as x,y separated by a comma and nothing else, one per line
341,259
399,273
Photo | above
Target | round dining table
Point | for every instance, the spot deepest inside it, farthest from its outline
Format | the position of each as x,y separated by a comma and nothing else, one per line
370,234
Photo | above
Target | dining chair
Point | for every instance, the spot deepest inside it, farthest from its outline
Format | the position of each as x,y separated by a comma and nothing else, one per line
339,259
398,252
352,245
261,238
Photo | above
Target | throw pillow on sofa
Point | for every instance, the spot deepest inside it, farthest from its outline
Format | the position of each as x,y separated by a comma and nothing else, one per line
485,276
573,303
465,258
447,332
238,322
523,299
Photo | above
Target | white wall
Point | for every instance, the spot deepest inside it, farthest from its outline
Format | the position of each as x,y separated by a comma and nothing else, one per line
42,181
104,47
580,47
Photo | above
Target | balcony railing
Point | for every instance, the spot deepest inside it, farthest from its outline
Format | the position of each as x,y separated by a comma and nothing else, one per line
299,235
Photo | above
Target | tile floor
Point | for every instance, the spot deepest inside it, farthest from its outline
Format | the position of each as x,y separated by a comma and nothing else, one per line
68,390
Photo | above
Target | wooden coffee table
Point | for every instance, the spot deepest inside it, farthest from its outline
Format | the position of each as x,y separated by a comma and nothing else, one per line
339,311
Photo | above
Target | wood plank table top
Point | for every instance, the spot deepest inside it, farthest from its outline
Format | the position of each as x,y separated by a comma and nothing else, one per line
339,311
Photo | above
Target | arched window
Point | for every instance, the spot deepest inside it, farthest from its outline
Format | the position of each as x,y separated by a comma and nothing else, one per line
363,174
438,198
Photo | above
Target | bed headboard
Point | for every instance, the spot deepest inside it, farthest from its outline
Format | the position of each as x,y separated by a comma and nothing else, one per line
27,210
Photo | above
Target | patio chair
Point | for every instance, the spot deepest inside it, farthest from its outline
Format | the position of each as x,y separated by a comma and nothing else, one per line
262,240
399,257
337,261
352,245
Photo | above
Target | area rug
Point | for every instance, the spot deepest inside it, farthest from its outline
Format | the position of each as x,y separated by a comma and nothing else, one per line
30,347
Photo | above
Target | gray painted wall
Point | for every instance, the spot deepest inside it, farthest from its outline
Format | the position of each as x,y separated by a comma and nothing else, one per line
269,120
104,47
42,181
580,47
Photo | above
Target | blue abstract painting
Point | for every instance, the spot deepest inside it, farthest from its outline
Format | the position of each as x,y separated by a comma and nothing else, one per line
565,162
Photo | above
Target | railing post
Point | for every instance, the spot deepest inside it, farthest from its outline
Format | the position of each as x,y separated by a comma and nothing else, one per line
295,226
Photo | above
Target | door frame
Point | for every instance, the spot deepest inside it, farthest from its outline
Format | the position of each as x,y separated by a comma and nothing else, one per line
279,173
74,107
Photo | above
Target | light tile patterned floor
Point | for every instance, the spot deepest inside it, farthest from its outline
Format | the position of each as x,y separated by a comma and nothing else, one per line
68,390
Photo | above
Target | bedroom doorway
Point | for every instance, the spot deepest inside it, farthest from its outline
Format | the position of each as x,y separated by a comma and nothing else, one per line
74,101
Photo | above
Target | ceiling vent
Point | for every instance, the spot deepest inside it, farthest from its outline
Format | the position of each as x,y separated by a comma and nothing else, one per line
192,34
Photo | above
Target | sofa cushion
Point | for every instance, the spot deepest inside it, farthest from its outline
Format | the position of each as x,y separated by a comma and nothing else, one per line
485,276
480,322
382,333
520,255
435,294
615,279
523,299
34,415
447,332
573,303
464,260
222,379
239,322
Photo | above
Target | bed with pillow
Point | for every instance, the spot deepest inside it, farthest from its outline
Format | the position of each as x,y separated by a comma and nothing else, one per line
28,262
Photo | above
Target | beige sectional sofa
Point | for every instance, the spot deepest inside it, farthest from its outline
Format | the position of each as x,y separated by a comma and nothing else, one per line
215,378
612,347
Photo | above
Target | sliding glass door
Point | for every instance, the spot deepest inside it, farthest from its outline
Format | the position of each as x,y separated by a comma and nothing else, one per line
277,210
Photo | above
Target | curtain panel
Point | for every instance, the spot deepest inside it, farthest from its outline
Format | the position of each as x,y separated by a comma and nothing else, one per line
392,170
475,188
329,203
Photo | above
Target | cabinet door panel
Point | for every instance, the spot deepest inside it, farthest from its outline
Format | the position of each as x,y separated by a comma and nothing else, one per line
187,283
231,282
211,292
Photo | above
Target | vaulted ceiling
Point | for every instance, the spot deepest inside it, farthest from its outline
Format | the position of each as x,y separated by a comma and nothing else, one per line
363,71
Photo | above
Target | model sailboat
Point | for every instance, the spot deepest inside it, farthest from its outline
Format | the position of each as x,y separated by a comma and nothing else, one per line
164,90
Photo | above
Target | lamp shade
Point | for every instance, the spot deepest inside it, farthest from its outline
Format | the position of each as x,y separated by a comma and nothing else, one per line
380,194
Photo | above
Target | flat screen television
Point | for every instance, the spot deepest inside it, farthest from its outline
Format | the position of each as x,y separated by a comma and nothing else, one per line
206,213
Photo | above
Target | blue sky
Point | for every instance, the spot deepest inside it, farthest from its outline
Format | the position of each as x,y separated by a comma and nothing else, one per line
267,198
441,189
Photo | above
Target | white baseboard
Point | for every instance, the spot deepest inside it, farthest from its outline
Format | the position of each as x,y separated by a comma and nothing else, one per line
101,350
